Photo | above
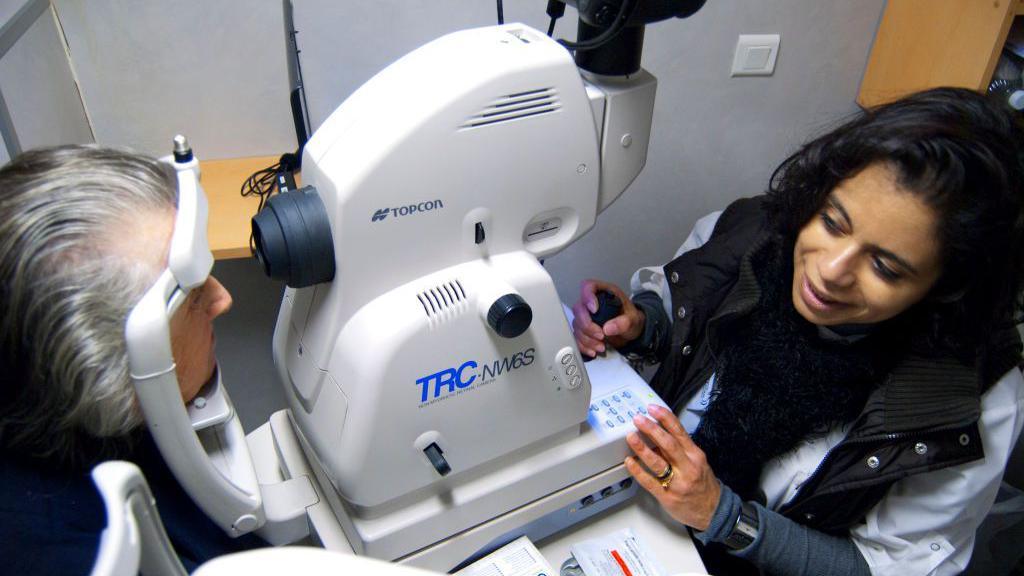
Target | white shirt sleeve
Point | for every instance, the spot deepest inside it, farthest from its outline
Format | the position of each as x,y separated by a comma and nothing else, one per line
926,522
652,278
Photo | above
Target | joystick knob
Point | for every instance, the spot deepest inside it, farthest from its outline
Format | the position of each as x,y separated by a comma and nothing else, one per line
608,307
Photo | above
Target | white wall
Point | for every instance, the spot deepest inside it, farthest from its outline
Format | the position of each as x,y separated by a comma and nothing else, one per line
39,93
214,71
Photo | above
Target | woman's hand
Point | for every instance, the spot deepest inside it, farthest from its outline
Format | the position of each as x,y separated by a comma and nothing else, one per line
688,490
591,338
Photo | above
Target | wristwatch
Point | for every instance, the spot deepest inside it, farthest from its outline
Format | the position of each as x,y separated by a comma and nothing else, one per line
746,528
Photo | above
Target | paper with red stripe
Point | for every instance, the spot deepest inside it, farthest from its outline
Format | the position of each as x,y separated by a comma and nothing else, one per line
617,554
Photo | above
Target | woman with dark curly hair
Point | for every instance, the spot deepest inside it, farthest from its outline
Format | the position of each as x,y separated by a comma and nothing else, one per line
841,354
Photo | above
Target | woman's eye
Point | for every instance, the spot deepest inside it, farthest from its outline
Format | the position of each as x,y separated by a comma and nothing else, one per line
830,224
884,271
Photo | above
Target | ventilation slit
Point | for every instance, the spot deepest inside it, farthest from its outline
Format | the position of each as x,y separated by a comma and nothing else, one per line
440,301
528,92
516,106
448,292
422,303
461,289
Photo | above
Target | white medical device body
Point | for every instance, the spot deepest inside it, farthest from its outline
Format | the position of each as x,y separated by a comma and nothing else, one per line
445,178
419,429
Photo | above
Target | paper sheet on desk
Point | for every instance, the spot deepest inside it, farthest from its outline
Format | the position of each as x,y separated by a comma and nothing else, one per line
517,558
617,554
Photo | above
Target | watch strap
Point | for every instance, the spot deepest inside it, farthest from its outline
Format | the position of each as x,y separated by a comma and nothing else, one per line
745,531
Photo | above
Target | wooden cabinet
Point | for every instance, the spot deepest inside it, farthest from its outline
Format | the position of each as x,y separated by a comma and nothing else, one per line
927,43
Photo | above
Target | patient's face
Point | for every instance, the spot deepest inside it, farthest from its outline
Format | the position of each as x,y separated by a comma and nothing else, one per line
192,339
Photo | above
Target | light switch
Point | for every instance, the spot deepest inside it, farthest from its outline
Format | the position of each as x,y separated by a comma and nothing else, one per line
755,55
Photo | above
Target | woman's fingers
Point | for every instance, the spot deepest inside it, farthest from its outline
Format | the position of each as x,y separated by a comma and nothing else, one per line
588,294
671,424
655,462
662,440
621,324
642,477
589,336
588,345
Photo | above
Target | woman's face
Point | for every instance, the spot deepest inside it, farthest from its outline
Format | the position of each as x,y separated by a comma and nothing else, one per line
192,339
868,255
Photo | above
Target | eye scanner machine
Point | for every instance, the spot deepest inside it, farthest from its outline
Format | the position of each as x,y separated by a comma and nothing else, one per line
438,406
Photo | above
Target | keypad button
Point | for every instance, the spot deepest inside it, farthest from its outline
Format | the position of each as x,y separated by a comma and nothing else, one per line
621,419
610,423
626,394
613,410
567,358
616,398
605,402
593,407
570,369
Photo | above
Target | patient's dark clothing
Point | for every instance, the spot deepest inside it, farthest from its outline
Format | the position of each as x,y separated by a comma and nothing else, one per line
52,520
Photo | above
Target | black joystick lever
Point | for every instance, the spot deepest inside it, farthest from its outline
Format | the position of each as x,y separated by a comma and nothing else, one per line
608,307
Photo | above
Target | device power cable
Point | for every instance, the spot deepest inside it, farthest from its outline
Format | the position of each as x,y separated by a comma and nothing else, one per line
556,9
621,18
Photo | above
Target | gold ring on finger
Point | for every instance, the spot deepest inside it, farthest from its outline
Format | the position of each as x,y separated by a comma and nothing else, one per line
665,473
667,479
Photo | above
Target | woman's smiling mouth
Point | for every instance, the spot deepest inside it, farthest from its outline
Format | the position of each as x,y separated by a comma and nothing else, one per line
815,300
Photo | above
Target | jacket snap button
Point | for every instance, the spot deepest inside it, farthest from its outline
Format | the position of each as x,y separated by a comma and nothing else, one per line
873,462
965,439
935,547
674,277
921,448
809,516
681,312
687,350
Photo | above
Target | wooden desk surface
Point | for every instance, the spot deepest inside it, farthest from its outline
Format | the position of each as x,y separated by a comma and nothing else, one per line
230,213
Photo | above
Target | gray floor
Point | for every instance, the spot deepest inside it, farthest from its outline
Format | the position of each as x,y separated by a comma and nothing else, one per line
244,337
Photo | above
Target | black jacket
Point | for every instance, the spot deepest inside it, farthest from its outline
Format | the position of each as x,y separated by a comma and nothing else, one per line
53,518
922,417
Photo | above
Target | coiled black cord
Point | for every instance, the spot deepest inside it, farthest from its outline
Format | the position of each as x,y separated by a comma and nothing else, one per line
625,11
263,183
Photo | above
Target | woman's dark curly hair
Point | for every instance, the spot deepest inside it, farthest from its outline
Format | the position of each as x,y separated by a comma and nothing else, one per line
962,154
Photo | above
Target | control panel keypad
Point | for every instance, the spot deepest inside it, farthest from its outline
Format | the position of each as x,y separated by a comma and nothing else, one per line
618,408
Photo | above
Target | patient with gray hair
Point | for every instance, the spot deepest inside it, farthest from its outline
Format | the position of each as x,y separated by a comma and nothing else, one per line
84,232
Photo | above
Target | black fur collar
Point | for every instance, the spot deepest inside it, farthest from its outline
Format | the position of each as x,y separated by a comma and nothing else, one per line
778,380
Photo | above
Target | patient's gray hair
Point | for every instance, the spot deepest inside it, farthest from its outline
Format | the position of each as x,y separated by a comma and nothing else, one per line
70,272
